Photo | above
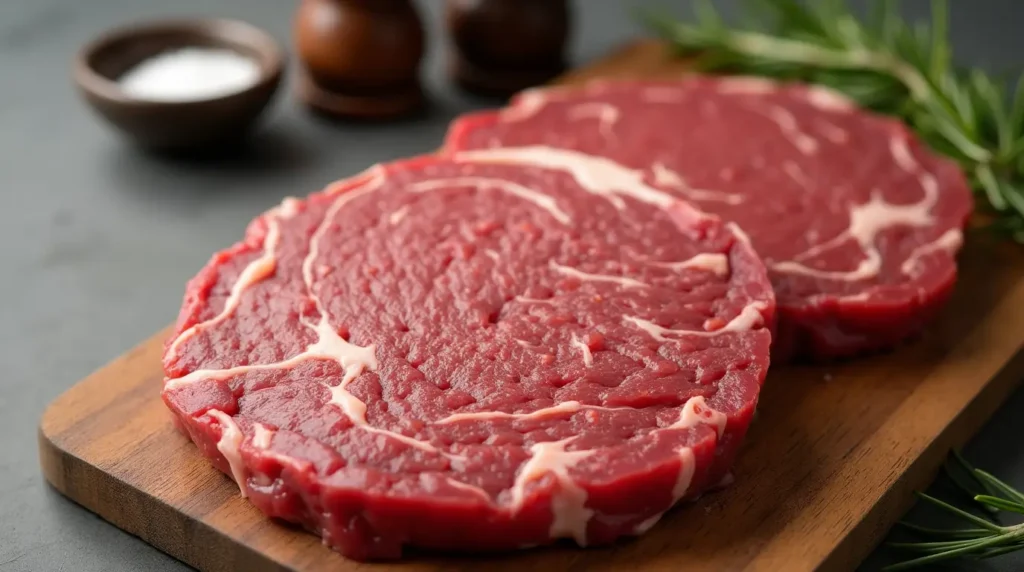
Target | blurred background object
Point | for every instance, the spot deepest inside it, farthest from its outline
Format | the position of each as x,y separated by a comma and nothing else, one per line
499,47
181,84
360,58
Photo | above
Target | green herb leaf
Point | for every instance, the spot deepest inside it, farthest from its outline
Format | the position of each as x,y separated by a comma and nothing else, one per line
991,187
1017,109
940,56
1002,550
941,533
989,541
960,513
1000,503
965,549
999,487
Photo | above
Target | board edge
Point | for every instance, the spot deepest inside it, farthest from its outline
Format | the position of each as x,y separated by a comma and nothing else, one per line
867,534
186,540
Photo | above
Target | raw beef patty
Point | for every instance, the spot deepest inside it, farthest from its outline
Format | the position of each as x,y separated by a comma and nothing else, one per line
857,223
473,356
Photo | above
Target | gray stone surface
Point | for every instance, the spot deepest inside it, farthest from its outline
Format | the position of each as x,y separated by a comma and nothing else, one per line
97,240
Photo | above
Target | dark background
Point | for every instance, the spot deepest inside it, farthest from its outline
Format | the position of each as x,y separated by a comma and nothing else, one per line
97,240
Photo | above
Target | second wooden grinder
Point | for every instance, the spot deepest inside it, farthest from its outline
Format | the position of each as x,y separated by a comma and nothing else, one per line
502,46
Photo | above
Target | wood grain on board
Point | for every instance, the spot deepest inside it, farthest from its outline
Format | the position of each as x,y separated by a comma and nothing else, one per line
830,463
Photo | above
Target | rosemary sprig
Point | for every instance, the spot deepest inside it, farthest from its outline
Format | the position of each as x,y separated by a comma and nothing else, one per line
985,537
884,64
962,475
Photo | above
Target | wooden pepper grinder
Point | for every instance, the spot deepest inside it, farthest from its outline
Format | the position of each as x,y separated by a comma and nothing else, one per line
360,58
503,46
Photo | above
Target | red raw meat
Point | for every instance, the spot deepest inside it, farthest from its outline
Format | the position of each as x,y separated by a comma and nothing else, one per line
462,355
858,224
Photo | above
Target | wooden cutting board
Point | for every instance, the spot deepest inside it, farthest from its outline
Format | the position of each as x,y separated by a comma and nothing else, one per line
828,466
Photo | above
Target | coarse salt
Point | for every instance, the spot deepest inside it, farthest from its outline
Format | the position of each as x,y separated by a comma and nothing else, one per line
190,74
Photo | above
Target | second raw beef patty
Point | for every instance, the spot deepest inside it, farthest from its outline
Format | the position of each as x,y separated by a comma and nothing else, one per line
857,223
472,356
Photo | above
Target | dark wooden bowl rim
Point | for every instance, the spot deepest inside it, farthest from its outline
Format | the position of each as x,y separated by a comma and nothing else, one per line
155,37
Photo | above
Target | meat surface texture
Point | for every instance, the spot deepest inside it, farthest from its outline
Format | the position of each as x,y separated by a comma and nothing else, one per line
857,223
474,355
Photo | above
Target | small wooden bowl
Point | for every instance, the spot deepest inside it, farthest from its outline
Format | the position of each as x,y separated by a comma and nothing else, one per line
164,125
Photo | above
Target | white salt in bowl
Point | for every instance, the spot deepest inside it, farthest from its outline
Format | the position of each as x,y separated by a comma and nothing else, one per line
181,84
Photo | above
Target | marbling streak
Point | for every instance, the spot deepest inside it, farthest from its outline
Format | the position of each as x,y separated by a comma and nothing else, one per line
857,222
475,354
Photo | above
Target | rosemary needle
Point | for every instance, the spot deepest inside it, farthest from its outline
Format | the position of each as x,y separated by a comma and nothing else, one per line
941,533
884,64
969,547
985,539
